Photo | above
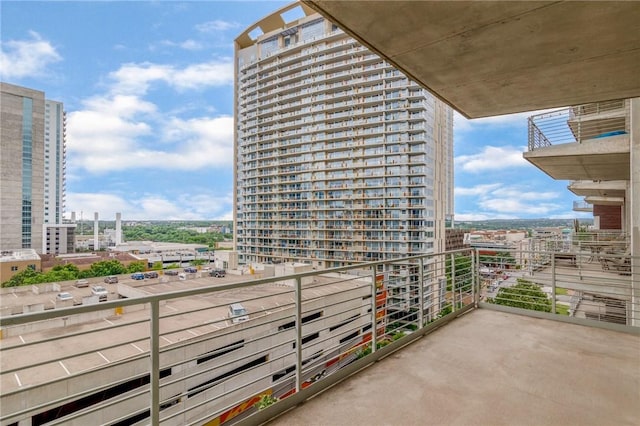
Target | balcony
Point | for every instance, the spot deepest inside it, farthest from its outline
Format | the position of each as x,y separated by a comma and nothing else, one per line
581,206
489,368
612,188
565,352
587,142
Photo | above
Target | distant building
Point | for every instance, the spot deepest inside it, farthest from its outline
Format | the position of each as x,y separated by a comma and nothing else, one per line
454,239
339,157
32,172
14,261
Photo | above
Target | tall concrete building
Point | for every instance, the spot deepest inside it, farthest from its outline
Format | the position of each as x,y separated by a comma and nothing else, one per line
54,161
339,157
33,172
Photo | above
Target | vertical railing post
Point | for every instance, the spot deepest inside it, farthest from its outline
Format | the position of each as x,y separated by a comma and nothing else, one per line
475,292
453,281
154,353
298,334
553,283
421,291
374,309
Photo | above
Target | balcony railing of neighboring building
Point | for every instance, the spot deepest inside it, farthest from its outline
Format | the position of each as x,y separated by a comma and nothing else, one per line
182,357
582,206
579,123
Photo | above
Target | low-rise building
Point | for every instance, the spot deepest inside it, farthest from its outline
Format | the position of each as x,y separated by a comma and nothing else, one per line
14,261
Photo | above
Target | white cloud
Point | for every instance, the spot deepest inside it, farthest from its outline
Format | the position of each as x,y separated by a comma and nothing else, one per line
107,126
121,130
186,44
499,201
517,192
106,205
516,206
136,79
463,217
492,158
202,75
216,26
27,58
477,190
148,207
125,132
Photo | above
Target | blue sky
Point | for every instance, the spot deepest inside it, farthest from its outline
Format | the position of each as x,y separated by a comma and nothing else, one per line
148,90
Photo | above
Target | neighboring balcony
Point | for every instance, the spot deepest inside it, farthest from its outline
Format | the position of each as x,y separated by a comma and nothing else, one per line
590,188
586,142
581,206
503,333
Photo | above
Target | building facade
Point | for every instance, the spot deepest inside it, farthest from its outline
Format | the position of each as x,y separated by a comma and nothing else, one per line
33,172
22,167
339,157
54,161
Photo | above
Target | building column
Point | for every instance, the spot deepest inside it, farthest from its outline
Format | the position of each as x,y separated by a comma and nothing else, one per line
634,211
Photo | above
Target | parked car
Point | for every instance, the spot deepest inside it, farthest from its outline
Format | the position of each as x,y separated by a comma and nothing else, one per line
101,292
64,296
111,279
151,274
82,283
171,272
190,270
137,276
238,313
218,273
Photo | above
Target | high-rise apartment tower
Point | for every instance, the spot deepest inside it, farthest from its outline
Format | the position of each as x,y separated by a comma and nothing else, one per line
32,173
339,157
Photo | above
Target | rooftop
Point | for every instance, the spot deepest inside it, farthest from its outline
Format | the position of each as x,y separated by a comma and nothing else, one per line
20,254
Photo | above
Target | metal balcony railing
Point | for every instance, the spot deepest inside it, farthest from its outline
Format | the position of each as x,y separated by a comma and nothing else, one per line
181,356
582,206
579,123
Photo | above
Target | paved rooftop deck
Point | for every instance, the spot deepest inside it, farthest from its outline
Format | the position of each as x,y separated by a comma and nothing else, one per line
491,368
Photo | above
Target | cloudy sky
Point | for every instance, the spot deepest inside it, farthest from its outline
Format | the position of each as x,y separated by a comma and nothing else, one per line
148,90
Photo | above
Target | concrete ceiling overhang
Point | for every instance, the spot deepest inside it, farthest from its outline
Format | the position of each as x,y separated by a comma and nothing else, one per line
596,159
605,188
605,201
487,58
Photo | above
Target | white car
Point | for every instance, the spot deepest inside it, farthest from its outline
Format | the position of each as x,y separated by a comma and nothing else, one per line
101,292
238,313
64,296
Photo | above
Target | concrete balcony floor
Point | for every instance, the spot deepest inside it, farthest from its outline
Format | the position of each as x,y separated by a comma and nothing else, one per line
491,368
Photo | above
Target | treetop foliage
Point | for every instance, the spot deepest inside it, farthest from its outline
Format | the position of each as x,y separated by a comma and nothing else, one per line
71,272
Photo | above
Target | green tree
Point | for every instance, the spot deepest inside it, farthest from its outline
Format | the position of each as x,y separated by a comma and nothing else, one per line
157,266
62,274
104,268
136,267
24,277
524,295
197,262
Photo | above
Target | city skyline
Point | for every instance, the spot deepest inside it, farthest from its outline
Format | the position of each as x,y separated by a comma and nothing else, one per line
148,90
